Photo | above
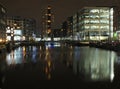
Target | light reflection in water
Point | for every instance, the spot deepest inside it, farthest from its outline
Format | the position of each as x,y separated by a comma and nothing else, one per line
91,63
95,65
34,53
14,57
22,55
48,63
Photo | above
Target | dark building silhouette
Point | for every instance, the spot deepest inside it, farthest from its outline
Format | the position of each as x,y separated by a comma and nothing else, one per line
56,32
2,24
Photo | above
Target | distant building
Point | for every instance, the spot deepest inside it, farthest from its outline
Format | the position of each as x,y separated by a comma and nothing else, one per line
96,23
70,26
2,24
47,23
29,28
75,26
14,29
19,28
57,33
64,29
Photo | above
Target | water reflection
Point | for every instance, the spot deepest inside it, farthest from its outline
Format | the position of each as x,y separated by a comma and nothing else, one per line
48,63
32,55
94,64
14,57
90,64
40,63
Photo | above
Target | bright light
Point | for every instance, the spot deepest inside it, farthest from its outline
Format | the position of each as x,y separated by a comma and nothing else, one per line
17,32
11,29
48,21
49,14
7,31
23,38
94,11
57,39
18,27
48,31
8,27
15,24
37,39
11,34
17,38
8,38
0,40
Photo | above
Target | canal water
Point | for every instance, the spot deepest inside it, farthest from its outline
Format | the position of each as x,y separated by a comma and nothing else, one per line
59,67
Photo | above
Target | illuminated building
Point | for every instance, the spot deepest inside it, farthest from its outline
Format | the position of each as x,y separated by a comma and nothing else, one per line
95,23
14,28
2,24
19,29
47,23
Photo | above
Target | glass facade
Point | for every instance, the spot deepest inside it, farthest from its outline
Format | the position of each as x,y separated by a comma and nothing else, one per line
96,23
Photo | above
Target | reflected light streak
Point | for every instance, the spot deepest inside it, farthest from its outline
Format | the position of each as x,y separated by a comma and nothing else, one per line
24,50
97,68
113,56
14,57
48,64
10,58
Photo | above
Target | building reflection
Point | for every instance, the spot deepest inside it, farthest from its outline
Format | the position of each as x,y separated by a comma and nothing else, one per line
14,57
99,67
90,64
48,63
66,55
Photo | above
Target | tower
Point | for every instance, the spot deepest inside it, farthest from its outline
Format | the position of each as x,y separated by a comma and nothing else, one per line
47,24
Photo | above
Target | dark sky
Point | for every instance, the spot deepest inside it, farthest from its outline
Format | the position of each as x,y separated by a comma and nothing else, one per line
61,8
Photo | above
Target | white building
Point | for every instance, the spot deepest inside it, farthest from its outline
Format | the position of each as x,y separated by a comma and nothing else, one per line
96,23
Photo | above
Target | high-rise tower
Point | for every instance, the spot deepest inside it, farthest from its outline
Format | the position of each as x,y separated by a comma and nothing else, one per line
47,23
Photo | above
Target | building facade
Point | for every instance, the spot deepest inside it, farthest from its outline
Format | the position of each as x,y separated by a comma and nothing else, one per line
2,24
96,23
47,23
29,28
19,28
14,29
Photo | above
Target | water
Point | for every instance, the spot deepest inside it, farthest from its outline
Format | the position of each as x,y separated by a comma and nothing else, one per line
59,67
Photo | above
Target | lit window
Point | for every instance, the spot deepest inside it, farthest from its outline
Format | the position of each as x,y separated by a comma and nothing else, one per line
48,21
94,11
49,14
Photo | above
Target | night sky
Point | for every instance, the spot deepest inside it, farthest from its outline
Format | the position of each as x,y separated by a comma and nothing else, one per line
61,8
